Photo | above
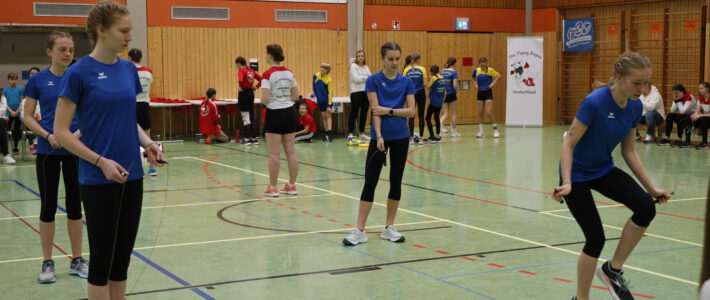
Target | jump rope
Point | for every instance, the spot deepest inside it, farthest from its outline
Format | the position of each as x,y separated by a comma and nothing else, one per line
119,207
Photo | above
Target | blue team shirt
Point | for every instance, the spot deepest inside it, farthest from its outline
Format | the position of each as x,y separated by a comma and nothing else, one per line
391,93
416,74
436,92
449,76
14,96
44,87
608,125
105,97
484,78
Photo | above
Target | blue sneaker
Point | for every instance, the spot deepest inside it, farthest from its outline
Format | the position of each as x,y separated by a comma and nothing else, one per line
152,172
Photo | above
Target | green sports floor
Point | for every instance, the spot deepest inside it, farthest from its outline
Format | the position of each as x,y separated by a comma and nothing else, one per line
474,213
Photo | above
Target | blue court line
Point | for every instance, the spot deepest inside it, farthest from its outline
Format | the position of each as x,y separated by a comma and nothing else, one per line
328,241
561,263
136,254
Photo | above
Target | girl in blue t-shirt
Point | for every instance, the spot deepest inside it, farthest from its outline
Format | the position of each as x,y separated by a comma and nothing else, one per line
392,100
101,90
52,159
449,108
13,95
607,117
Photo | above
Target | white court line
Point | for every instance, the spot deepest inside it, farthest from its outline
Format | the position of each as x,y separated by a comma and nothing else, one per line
457,223
225,240
621,205
188,204
23,166
619,228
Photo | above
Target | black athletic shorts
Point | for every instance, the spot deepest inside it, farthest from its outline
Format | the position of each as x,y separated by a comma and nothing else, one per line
281,121
450,98
484,95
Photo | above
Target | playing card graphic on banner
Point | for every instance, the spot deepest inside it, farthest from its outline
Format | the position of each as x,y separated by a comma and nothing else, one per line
578,35
524,84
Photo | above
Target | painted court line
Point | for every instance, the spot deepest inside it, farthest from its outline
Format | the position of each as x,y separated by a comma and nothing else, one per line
619,228
621,205
459,224
344,230
187,204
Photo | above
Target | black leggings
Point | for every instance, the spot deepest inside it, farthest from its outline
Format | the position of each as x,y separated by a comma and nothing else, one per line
373,167
703,123
15,126
683,122
48,168
420,100
432,110
359,105
3,137
615,185
111,236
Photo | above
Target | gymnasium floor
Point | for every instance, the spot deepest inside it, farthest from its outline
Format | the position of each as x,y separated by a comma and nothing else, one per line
474,213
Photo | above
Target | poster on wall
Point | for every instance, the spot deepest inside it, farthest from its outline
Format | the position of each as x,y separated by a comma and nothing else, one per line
578,35
524,84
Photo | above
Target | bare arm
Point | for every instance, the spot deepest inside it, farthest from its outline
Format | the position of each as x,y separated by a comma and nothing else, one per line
494,81
32,124
407,111
628,151
574,134
294,94
376,120
265,95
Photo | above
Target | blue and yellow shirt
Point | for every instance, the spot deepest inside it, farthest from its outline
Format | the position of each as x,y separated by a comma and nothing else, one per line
484,78
449,75
417,75
323,88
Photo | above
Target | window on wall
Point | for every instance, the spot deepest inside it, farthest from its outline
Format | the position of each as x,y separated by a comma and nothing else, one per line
200,13
61,9
293,15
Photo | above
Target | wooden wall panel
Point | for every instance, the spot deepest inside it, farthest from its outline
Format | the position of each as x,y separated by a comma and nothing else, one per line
586,3
452,3
550,78
187,69
678,54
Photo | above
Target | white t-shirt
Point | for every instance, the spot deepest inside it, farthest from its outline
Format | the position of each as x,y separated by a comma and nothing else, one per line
145,75
279,81
358,77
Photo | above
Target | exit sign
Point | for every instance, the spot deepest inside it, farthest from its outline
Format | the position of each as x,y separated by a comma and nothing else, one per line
462,24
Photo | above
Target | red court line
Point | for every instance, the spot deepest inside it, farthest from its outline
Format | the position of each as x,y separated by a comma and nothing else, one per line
419,246
561,279
527,272
496,265
443,252
468,258
305,212
466,178
33,228
600,287
488,201
334,221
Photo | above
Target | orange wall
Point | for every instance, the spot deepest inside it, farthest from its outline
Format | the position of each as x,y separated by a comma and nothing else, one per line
22,12
544,20
413,18
246,14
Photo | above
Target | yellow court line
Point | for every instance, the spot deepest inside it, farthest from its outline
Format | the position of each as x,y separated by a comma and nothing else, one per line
225,240
620,205
619,228
457,223
187,204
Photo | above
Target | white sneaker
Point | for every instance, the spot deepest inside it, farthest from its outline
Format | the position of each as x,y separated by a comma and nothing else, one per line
47,274
392,234
443,129
496,134
648,139
364,137
9,160
480,135
455,133
79,267
355,237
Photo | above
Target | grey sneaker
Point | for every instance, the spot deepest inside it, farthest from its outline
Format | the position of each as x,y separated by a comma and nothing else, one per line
47,274
355,237
392,234
79,267
618,286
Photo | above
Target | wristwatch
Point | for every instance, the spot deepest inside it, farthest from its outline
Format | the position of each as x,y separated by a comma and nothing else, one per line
391,112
